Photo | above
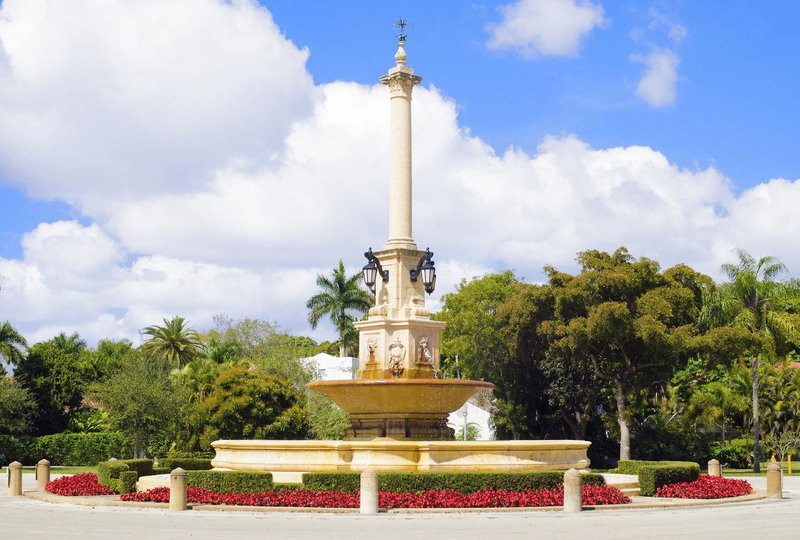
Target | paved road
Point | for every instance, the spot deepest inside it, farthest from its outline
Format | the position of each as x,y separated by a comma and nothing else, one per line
21,517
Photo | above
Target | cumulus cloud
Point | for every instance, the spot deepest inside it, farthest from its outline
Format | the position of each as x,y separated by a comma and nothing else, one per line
660,75
250,238
130,98
545,27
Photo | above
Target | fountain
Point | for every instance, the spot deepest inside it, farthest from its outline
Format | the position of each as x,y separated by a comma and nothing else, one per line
399,402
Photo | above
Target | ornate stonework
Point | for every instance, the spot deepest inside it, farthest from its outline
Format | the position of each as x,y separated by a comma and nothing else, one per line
400,84
397,353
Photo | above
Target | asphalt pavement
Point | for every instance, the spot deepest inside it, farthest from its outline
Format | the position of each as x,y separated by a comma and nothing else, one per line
23,517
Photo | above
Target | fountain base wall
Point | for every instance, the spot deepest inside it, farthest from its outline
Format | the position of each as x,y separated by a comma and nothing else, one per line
389,455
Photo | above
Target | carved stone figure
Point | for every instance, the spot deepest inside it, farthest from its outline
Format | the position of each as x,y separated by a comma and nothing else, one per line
397,353
372,346
424,354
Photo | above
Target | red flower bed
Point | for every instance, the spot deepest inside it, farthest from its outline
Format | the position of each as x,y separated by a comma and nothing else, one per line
706,487
77,485
487,498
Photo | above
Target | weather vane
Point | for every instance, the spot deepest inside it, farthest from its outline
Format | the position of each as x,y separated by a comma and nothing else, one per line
401,24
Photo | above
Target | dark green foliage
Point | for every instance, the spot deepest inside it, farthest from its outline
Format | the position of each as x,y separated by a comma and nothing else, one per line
71,449
108,471
245,404
187,464
230,481
144,467
461,482
119,476
142,400
53,376
161,470
126,483
736,453
652,478
17,407
654,474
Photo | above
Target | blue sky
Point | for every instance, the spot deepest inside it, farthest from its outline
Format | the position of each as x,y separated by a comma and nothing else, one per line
197,157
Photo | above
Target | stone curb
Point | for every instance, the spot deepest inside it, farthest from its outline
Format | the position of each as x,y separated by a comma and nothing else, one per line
638,503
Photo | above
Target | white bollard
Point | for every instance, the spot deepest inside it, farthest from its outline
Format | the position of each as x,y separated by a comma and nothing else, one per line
774,481
713,468
572,491
15,479
369,492
177,490
42,474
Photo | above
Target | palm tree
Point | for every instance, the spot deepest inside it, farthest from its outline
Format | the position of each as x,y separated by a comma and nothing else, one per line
174,342
69,344
752,300
340,297
12,345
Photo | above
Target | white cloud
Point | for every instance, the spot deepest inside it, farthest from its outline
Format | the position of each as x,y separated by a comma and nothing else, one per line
250,238
659,78
545,27
130,98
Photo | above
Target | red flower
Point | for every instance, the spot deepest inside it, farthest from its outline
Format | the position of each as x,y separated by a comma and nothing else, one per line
706,487
78,485
486,498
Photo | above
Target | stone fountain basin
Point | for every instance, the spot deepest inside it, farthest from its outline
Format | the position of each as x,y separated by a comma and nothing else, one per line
399,396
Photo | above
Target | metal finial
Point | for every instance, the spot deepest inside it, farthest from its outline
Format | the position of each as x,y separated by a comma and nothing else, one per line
400,24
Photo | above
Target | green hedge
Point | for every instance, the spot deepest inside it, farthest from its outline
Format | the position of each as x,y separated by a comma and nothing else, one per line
228,481
144,467
652,478
65,448
126,483
654,474
107,471
461,482
161,470
186,463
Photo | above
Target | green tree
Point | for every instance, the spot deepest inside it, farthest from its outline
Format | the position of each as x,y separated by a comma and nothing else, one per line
714,403
249,404
342,298
632,321
72,344
16,408
174,343
141,400
12,345
751,300
55,378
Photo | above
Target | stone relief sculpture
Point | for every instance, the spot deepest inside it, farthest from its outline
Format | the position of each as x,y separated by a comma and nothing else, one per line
424,354
397,353
372,346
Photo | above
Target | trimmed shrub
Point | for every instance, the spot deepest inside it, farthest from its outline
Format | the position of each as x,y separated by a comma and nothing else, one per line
161,470
231,481
186,463
144,467
126,483
110,470
654,474
652,478
65,448
459,482
180,454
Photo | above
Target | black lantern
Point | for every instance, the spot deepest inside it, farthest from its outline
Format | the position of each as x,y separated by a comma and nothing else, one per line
371,270
427,270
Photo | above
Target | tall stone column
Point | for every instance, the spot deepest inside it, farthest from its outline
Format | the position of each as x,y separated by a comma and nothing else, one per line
401,80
